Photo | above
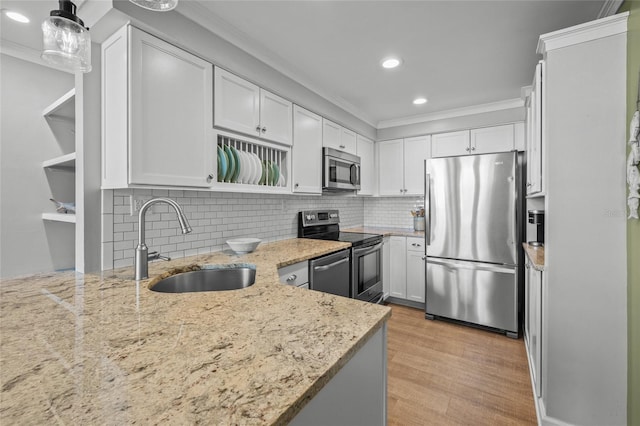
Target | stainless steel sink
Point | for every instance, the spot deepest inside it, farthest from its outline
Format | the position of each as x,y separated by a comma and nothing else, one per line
219,279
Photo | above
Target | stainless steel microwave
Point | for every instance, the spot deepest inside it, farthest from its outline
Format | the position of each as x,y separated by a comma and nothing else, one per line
340,170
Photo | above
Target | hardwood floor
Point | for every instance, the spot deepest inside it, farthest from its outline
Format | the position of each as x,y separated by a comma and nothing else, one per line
442,374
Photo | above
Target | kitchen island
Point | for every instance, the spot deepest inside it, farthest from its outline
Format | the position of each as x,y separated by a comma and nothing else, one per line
104,349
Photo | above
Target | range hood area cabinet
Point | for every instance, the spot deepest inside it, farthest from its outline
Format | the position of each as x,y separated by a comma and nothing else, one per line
243,107
157,113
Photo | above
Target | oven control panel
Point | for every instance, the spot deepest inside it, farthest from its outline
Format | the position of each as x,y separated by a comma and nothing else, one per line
319,217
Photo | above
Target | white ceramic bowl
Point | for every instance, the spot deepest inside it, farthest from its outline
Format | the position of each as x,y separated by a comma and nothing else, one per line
244,245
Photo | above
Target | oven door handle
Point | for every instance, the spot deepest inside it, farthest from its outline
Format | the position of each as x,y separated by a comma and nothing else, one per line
366,250
331,265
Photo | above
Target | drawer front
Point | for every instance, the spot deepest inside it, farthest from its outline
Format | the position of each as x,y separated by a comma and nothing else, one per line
415,244
296,274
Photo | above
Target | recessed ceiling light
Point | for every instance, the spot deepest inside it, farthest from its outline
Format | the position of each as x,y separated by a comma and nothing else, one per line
390,62
18,17
419,101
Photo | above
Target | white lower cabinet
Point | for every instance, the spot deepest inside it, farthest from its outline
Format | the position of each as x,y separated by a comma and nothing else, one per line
386,263
415,269
407,268
533,323
397,267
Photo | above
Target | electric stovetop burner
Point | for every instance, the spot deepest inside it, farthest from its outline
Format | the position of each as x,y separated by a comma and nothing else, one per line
324,225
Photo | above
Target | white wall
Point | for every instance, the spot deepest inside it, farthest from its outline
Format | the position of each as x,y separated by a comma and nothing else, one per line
27,243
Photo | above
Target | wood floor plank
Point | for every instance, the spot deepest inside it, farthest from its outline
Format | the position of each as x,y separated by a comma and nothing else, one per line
445,373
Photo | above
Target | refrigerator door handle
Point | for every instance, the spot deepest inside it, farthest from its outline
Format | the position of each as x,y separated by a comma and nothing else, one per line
427,197
469,265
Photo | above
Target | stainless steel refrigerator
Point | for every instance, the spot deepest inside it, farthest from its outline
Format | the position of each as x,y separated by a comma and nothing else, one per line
473,239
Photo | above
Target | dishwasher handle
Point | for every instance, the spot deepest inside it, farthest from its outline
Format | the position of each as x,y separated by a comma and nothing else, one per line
331,265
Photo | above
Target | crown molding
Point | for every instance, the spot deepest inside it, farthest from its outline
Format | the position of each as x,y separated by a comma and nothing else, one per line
593,30
206,18
453,113
610,7
25,53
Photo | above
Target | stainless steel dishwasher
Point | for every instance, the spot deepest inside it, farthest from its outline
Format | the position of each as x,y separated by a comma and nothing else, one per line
331,273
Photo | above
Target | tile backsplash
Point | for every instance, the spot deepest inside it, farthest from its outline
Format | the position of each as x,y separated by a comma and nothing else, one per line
392,212
214,217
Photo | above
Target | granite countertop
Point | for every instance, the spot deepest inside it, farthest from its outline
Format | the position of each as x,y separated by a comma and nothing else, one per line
103,349
386,231
535,255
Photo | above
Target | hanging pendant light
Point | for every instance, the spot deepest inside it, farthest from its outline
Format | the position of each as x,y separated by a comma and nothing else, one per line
66,42
157,5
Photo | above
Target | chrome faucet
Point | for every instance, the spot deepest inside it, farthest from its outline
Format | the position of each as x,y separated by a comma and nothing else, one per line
142,252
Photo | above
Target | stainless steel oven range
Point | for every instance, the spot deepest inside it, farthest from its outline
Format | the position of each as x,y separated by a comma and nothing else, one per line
365,280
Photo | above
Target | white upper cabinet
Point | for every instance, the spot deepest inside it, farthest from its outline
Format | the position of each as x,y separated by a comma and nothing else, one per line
452,143
416,151
401,165
275,118
475,141
307,151
390,167
492,139
155,132
243,107
365,150
534,136
236,104
337,137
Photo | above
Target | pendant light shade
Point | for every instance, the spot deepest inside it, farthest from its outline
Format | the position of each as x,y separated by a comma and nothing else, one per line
66,42
157,5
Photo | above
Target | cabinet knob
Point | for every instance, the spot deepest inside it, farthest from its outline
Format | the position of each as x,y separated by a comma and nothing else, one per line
343,146
424,257
401,190
258,128
264,130
297,184
473,148
467,149
291,278
528,184
210,177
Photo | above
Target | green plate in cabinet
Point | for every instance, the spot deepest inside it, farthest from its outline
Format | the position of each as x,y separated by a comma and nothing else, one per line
236,157
222,164
232,164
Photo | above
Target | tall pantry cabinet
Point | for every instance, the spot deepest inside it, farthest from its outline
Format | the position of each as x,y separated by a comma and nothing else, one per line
582,306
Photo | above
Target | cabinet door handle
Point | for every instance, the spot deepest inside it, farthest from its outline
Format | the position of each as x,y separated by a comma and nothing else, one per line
473,148
424,257
258,128
416,244
343,146
210,177
264,130
467,149
528,184
297,184
292,278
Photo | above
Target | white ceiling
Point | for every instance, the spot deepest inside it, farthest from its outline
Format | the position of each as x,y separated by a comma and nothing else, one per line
455,53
